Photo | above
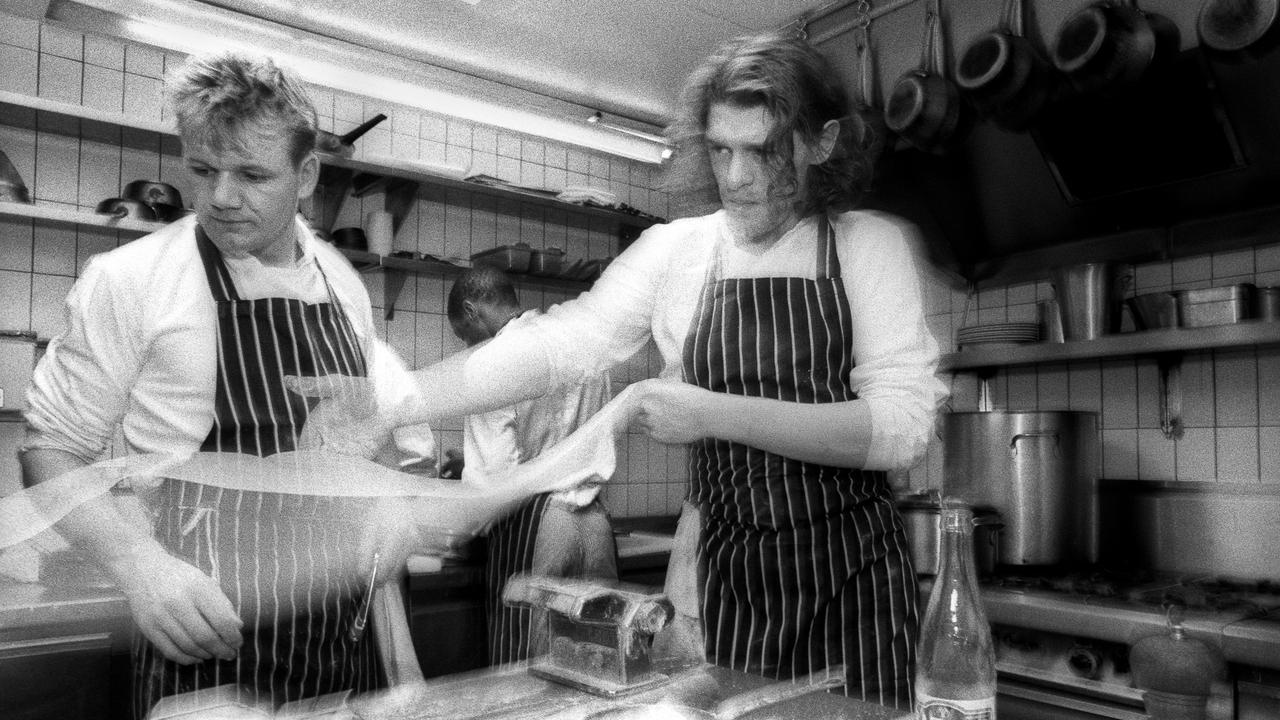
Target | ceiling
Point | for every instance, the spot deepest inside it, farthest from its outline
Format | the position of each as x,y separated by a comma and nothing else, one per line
624,57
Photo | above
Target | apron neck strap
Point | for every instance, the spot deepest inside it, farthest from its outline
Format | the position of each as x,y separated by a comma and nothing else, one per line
828,260
220,284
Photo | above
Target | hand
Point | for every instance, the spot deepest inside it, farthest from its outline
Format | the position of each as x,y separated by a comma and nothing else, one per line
670,411
346,420
181,610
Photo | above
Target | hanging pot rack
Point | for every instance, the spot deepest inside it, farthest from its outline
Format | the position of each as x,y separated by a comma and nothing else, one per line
877,10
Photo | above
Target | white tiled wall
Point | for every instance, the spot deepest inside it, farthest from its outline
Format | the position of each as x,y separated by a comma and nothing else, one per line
1230,398
72,164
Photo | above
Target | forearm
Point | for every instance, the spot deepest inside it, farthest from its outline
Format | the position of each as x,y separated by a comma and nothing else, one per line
836,434
95,527
473,381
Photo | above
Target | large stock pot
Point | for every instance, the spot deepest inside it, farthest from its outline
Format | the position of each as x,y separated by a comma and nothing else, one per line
1038,470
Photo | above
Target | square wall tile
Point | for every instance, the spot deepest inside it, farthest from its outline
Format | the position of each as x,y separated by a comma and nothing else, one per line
1197,390
91,241
1192,270
104,52
20,31
1153,276
1233,264
1196,454
1269,454
509,146
143,97
1119,394
1120,454
1266,258
1021,389
1156,456
484,139
15,300
48,303
1236,388
55,248
143,60
1269,386
1052,388
61,79
57,176
16,238
55,40
1237,454
1085,386
21,70
103,89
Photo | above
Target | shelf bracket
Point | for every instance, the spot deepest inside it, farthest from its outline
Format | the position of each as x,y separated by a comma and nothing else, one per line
1170,366
392,284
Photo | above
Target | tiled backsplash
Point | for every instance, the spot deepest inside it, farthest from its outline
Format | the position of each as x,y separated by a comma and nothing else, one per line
1230,398
76,164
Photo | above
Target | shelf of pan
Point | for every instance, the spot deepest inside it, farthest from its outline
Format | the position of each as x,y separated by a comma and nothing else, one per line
397,268
1255,333
19,109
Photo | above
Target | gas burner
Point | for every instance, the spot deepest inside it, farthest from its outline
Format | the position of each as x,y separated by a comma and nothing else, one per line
1143,587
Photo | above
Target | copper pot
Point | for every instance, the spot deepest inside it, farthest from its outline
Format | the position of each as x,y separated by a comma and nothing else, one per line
926,107
1239,30
1004,75
1110,45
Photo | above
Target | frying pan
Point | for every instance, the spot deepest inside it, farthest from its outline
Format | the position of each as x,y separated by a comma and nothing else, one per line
126,208
343,145
351,238
153,193
1004,75
926,107
1239,30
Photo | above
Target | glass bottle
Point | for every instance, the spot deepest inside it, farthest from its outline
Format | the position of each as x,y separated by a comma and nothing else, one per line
956,663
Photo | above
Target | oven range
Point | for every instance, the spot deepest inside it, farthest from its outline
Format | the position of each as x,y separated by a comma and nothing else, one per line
1063,639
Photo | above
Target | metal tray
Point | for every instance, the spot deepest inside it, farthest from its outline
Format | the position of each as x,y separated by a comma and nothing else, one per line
508,258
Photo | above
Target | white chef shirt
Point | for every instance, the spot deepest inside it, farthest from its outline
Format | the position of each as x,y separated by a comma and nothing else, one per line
496,441
140,345
652,290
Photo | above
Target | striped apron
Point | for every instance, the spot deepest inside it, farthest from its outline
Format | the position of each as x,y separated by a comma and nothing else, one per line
276,556
583,547
806,565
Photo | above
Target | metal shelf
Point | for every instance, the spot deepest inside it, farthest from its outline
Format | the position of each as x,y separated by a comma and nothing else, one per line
1136,344
363,174
397,268
77,217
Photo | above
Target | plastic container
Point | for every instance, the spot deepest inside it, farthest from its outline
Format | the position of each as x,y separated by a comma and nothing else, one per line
546,263
1215,306
508,258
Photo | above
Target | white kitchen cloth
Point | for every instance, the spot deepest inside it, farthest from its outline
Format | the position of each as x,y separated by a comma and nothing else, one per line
446,506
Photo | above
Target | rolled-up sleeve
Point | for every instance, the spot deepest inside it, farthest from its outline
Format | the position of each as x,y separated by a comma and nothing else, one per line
80,388
895,354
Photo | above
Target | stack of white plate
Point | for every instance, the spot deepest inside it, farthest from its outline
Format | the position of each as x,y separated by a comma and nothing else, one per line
998,333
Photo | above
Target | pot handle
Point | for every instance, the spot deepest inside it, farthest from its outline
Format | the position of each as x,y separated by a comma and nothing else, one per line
927,60
1013,444
1012,20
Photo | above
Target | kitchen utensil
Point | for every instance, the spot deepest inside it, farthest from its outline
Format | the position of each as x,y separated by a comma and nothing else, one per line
1175,671
12,189
1109,45
1038,470
1266,303
922,516
1239,30
1008,332
926,107
1004,75
508,258
153,193
1050,321
546,262
350,238
122,208
600,634
1087,298
870,132
1154,310
379,230
362,612
1215,306
344,145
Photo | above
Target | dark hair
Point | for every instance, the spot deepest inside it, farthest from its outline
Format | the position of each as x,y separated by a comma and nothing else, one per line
218,98
801,92
480,284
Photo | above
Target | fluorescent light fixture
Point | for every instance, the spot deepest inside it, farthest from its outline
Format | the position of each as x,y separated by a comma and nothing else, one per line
597,119
332,66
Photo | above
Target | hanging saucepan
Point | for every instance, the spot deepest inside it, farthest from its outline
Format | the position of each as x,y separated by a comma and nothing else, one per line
343,145
1004,75
1239,30
926,107
1110,45
870,133
126,208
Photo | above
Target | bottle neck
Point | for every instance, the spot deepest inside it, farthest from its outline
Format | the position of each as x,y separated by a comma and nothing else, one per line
956,553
